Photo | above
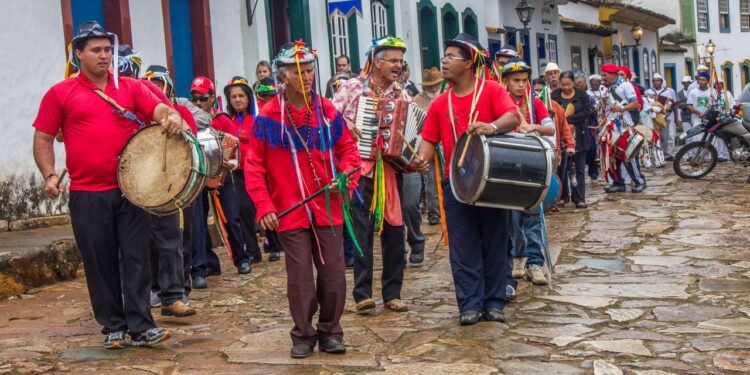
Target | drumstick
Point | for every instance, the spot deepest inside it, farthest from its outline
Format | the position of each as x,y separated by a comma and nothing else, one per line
408,145
468,139
62,175
164,160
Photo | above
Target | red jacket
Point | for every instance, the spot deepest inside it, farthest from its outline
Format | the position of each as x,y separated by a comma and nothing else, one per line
271,173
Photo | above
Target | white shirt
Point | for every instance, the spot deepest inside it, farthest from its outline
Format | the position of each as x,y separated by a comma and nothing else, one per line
626,92
700,100
666,92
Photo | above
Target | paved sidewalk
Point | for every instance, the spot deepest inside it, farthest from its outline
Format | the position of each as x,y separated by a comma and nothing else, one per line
648,284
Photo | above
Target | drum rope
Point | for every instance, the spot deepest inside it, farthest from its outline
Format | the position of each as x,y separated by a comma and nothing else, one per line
438,181
220,220
547,253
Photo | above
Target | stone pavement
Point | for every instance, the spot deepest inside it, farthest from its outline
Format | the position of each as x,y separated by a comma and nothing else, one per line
647,284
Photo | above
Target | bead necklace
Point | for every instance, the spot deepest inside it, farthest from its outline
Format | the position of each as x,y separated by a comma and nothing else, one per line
305,123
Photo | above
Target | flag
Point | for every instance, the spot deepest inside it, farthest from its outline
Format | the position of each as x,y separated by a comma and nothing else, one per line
344,6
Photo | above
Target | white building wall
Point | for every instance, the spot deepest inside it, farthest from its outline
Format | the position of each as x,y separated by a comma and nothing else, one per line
254,39
147,29
407,27
227,22
26,80
319,34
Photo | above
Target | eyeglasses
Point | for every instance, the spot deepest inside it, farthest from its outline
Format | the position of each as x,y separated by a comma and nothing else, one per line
394,61
200,99
456,58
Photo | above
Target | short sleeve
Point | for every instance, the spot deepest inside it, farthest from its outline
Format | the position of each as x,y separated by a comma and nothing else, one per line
431,127
503,103
50,115
144,100
541,111
629,92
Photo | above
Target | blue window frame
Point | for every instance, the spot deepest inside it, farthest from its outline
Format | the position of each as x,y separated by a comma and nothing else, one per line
86,10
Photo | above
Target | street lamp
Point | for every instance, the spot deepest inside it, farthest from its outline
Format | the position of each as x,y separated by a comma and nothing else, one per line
710,47
637,33
524,11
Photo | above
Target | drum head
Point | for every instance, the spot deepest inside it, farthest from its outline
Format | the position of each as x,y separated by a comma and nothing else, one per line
140,171
468,181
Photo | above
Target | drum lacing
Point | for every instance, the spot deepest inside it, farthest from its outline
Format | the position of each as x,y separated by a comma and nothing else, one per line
178,204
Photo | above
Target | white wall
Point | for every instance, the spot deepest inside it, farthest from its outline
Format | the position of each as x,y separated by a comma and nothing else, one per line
147,29
34,29
227,22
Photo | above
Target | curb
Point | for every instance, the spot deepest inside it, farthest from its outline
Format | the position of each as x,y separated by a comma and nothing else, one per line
45,265
33,223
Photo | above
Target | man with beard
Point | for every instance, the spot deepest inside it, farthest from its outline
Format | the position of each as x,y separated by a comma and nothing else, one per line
552,76
380,79
478,235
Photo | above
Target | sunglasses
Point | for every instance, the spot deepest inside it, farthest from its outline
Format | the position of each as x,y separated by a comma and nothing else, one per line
200,99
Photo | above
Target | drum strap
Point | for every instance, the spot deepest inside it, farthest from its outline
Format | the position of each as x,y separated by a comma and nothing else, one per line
120,110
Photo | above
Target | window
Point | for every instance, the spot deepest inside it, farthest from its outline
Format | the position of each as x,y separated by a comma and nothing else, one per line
617,60
653,62
728,71
689,67
541,47
646,69
724,16
745,72
379,20
703,15
339,34
552,48
745,15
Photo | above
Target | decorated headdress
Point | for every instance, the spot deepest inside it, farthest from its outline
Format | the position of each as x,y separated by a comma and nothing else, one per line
129,61
478,55
516,66
161,73
86,31
378,45
267,87
241,81
296,54
507,51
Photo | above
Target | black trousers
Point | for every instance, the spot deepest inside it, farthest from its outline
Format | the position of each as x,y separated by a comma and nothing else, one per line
167,264
113,236
392,242
247,212
203,256
579,191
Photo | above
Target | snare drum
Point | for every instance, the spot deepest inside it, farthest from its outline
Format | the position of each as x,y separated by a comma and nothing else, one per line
211,142
628,144
143,180
511,171
229,145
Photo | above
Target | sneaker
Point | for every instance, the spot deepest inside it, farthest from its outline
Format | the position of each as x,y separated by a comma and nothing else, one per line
275,255
519,267
615,189
469,317
114,340
199,282
155,300
365,306
349,263
638,188
244,268
178,309
151,336
536,275
494,315
396,305
510,293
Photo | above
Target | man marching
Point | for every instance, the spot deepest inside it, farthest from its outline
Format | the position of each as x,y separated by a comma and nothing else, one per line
297,146
380,80
666,96
112,234
478,235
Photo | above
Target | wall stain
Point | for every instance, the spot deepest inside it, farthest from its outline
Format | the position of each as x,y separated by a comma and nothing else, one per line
22,197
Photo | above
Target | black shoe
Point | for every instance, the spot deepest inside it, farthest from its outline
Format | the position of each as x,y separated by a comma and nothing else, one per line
510,293
470,317
213,272
256,258
494,315
275,255
244,268
301,350
349,263
615,189
434,221
669,158
199,282
150,336
417,254
332,346
638,188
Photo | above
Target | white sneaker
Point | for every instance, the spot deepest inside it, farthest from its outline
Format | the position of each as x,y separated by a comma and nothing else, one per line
519,267
155,300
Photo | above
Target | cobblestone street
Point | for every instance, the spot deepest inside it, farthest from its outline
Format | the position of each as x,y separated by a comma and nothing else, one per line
647,284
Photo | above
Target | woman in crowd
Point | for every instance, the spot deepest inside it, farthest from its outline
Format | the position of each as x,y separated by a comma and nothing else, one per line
577,106
262,70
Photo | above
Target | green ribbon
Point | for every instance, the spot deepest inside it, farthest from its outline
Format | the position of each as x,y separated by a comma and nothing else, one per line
342,180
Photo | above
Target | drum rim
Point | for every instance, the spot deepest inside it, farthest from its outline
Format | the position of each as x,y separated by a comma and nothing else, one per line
218,138
485,172
549,150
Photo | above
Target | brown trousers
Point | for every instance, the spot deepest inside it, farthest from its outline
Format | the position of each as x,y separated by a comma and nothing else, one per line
304,294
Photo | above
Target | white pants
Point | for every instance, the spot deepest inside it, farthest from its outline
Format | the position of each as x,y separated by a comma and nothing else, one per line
667,135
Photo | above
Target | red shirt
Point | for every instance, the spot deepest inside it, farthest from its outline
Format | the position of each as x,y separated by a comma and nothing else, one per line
184,111
94,135
493,102
240,127
271,176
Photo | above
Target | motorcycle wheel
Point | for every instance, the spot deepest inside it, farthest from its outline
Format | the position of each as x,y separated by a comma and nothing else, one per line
696,164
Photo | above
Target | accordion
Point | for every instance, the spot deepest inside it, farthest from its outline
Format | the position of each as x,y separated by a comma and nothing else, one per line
391,119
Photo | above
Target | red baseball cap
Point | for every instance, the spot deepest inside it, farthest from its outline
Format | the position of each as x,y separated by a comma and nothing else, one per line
203,85
627,71
610,68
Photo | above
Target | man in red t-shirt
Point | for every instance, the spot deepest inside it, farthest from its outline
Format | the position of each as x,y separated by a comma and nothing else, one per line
205,261
112,234
478,235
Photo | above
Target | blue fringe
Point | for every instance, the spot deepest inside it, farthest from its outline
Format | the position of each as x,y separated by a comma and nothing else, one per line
269,131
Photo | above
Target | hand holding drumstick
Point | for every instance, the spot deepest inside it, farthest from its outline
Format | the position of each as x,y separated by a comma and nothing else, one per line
475,128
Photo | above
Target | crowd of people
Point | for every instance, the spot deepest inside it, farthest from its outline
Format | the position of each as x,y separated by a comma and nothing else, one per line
293,141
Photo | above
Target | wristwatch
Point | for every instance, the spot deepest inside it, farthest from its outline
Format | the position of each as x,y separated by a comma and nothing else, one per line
50,175
494,132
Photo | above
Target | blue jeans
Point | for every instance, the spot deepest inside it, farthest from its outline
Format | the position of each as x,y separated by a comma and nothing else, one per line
527,238
478,240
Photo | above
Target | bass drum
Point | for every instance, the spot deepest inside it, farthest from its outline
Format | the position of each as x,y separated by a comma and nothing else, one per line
550,199
144,180
511,171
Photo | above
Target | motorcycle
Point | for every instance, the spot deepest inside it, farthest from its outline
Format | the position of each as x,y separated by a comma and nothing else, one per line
698,158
